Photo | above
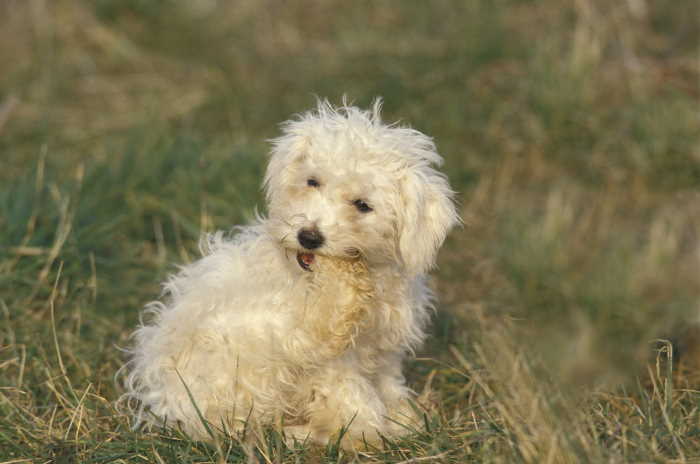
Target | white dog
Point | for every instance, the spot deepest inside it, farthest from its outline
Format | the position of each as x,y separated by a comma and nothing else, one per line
303,319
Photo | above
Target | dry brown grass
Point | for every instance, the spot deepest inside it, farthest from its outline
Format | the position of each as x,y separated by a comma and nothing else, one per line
570,131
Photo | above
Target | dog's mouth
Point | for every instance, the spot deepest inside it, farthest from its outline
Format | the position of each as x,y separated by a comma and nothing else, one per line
305,260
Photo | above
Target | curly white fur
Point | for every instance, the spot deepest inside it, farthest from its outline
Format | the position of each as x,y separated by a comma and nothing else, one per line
248,333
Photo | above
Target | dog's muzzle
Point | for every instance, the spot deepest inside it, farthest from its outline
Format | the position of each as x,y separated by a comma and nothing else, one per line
310,239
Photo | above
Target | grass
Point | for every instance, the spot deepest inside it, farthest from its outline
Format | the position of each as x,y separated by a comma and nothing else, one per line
570,130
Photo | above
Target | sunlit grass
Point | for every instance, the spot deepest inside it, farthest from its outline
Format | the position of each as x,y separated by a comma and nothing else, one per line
127,128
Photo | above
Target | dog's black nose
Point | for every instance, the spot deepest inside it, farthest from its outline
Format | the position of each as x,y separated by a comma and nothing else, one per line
310,238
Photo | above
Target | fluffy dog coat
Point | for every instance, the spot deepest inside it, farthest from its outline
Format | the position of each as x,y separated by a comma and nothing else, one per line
303,319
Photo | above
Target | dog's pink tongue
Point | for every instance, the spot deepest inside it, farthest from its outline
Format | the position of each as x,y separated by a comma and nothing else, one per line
307,258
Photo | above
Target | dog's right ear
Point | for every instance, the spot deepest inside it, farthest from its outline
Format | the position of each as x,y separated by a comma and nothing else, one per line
290,148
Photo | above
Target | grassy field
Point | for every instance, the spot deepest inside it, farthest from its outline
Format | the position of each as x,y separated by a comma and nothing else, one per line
570,129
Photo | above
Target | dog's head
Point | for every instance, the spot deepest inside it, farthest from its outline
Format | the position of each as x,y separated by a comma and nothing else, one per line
341,183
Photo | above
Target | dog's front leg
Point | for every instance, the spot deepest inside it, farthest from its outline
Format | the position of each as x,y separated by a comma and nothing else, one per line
345,400
400,400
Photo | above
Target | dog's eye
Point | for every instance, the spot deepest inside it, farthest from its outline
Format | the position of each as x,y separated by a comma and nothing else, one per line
362,206
311,182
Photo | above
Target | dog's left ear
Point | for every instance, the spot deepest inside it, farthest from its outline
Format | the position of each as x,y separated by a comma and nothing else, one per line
427,216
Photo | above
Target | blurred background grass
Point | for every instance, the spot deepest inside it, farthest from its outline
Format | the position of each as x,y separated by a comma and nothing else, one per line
569,129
